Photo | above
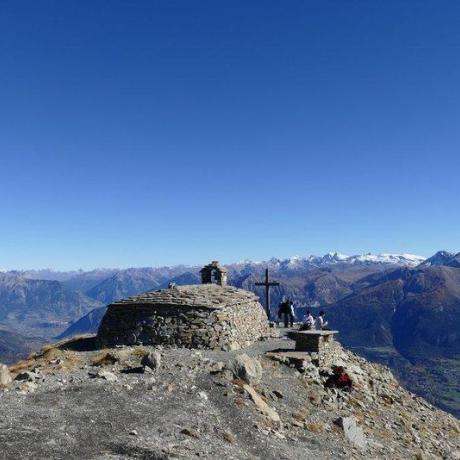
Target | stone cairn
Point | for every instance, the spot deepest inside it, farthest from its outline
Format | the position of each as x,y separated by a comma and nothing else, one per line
214,273
212,316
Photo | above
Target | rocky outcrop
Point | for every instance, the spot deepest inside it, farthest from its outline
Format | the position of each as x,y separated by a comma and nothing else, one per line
194,407
197,316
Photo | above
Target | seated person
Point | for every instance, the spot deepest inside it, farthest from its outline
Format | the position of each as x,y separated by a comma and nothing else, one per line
320,323
340,379
308,322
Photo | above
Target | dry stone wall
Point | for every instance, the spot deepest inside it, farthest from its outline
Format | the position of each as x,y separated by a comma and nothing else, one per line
202,316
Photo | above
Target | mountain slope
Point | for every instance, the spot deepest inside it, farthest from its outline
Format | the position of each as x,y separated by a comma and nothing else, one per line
413,313
14,346
446,258
418,310
88,324
197,405
38,307
132,281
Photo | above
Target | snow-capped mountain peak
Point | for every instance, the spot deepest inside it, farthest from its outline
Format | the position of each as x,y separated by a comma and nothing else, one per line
334,258
395,259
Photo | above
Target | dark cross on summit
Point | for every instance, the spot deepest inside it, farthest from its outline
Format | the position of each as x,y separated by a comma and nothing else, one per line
268,284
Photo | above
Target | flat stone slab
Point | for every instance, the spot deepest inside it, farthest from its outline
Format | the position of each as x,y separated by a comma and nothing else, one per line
295,355
312,341
314,333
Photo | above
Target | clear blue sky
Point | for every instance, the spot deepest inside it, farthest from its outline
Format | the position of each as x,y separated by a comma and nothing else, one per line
138,133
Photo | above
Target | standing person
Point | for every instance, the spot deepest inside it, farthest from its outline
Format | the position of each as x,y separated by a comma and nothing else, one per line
320,323
291,313
286,310
308,322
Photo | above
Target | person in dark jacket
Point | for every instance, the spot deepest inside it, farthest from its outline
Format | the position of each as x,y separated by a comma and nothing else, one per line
286,310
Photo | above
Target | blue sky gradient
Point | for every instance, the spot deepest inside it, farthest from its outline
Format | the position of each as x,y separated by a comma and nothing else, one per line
163,132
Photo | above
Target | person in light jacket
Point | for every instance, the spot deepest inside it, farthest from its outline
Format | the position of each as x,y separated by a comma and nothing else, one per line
321,324
308,322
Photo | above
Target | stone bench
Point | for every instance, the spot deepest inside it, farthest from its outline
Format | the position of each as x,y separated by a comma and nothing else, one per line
312,341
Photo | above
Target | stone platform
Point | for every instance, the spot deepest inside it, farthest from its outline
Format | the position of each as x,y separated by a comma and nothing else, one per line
312,341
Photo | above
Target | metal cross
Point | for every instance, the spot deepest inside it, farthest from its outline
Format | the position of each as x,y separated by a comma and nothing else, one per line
268,284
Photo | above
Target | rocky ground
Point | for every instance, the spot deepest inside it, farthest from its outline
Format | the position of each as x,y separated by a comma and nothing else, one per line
73,402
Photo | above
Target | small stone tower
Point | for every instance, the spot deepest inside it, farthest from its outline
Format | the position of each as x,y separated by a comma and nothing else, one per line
214,273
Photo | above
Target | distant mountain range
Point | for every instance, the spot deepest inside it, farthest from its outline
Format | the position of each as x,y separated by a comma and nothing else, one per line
40,308
43,303
400,309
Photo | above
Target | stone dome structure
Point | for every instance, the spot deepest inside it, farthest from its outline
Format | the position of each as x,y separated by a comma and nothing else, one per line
195,316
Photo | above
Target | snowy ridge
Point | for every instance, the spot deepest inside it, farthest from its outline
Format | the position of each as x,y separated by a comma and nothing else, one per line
398,259
334,258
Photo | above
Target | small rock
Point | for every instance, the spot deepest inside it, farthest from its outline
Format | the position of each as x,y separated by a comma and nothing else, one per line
103,374
27,387
190,432
229,437
314,427
299,415
170,387
5,376
278,394
279,435
203,395
133,432
216,367
152,360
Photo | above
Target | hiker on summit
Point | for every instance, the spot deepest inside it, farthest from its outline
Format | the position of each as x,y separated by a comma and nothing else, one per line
321,324
308,322
286,309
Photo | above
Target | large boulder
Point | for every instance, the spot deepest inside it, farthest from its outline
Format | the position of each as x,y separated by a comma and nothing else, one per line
352,431
247,369
5,376
152,360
